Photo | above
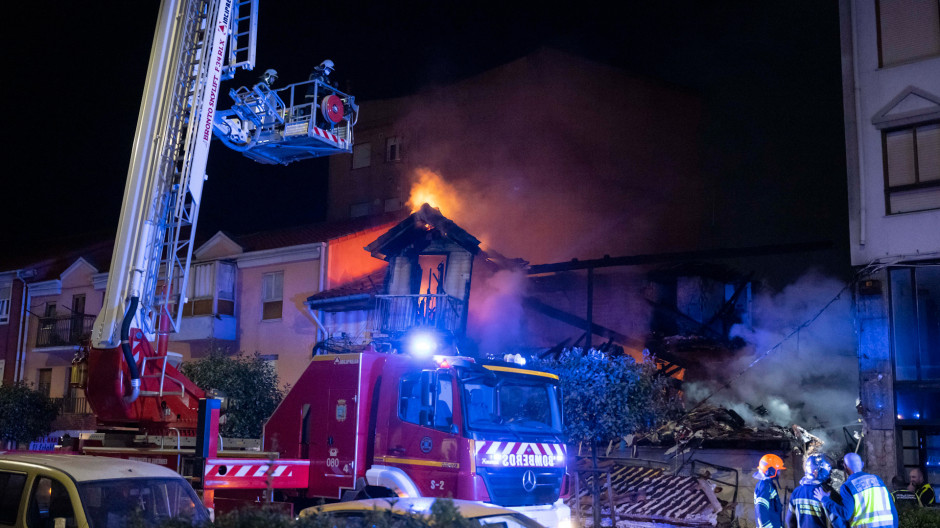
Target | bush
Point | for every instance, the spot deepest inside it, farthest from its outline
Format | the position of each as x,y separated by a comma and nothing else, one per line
920,518
249,382
25,414
606,397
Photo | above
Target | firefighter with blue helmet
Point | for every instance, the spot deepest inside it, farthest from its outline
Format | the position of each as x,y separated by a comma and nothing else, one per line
804,510
768,510
866,501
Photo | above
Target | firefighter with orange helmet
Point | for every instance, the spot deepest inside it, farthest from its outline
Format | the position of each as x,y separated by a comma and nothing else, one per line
768,510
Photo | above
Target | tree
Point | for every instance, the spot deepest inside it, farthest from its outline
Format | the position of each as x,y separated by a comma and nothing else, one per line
25,414
249,383
606,398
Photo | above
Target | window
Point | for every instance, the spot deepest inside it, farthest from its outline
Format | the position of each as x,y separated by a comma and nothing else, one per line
912,168
5,292
412,410
915,310
11,490
361,155
45,381
907,30
272,292
49,500
211,289
359,209
393,149
392,204
226,288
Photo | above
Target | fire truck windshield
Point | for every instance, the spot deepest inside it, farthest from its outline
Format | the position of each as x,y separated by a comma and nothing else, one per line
512,403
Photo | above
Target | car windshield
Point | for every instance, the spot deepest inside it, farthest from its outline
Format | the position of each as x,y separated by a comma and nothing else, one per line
512,403
116,503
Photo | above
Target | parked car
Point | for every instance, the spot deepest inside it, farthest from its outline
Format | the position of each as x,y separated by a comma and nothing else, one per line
66,491
485,515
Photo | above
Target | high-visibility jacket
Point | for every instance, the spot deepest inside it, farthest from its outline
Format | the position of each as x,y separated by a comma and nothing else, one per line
866,503
925,495
768,510
804,510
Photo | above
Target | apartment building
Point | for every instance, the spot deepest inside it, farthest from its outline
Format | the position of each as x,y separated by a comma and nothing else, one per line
891,86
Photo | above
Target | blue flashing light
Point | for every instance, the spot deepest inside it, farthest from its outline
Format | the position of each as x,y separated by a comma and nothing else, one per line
422,344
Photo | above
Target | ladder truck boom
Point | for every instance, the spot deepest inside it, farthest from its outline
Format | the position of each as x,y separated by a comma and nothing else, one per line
197,44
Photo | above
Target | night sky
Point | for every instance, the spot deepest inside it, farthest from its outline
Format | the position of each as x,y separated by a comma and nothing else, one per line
768,75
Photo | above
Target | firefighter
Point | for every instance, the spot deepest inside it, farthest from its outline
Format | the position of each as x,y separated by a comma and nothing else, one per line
925,494
804,510
768,510
866,502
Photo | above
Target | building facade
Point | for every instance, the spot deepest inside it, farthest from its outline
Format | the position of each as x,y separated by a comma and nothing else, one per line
891,86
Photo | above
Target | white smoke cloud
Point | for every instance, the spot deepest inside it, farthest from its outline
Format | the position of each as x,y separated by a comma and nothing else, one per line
496,316
808,376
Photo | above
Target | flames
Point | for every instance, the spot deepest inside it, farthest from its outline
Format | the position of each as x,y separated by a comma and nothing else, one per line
430,188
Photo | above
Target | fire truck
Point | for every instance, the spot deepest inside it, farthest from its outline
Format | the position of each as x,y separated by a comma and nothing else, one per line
362,423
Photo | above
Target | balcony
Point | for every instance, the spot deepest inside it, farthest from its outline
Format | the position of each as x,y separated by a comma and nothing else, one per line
63,330
72,405
396,314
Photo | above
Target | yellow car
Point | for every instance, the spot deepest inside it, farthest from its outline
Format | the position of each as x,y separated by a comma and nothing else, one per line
480,514
81,491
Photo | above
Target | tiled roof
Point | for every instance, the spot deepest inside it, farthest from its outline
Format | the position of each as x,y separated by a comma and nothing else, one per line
647,495
312,233
371,284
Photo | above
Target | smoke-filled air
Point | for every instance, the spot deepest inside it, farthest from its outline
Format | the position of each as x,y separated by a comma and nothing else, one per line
809,379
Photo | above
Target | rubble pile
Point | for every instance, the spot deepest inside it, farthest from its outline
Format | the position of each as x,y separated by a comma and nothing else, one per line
710,426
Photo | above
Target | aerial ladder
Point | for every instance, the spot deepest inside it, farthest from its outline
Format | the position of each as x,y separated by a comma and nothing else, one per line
131,384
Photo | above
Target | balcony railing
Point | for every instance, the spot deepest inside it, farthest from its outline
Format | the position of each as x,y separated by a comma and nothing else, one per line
63,330
399,313
72,405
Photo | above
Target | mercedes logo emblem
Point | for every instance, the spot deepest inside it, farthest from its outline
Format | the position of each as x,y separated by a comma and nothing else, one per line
528,480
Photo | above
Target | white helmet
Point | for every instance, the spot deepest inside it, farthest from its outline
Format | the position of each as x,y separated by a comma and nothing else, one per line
326,67
269,76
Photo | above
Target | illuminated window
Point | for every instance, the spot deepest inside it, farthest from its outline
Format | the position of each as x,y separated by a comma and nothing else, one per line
912,168
5,292
393,149
907,30
361,155
272,293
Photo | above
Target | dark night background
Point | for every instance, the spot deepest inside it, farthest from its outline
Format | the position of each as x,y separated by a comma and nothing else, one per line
768,75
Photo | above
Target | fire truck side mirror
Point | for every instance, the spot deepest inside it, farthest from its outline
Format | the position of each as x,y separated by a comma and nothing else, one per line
428,388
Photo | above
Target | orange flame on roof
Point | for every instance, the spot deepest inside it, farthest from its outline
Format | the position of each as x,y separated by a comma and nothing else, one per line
429,187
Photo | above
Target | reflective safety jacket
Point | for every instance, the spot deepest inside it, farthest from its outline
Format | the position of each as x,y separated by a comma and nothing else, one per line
925,495
803,510
768,509
866,503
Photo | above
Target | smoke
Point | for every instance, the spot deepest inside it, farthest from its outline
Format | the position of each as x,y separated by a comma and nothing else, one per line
496,316
809,378
556,158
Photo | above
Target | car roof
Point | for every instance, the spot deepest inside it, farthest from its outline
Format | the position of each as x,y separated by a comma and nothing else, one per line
85,467
468,509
